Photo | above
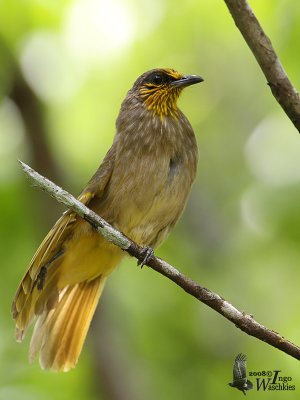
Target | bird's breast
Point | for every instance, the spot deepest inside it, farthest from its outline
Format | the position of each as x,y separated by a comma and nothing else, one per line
153,173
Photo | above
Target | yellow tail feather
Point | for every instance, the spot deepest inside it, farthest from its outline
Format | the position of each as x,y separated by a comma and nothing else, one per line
59,333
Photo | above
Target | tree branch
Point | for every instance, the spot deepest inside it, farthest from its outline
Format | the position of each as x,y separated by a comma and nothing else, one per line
283,90
243,321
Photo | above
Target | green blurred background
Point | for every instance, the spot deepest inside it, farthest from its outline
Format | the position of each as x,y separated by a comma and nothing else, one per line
65,67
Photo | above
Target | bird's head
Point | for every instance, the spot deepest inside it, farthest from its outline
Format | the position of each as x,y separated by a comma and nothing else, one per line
159,90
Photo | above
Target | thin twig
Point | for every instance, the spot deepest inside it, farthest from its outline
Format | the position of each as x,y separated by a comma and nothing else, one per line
243,321
282,88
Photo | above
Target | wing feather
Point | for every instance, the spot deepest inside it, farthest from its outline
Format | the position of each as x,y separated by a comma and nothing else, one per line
239,368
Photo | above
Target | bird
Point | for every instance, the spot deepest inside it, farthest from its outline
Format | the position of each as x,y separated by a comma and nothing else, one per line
141,188
240,380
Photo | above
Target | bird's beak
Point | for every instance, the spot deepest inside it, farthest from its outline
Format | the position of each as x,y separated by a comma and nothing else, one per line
187,80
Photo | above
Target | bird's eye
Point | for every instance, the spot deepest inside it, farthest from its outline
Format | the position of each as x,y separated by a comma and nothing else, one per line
157,79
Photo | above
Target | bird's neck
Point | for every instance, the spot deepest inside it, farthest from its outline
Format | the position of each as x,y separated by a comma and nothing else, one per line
141,129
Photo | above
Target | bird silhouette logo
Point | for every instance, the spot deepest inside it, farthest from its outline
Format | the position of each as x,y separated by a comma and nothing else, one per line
240,380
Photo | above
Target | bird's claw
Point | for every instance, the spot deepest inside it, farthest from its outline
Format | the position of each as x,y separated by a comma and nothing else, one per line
147,253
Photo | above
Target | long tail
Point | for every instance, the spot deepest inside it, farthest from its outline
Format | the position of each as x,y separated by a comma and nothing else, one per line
62,286
59,333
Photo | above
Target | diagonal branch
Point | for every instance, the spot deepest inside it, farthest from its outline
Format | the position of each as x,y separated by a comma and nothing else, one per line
243,321
282,88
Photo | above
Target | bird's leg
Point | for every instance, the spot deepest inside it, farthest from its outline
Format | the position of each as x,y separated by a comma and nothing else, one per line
147,254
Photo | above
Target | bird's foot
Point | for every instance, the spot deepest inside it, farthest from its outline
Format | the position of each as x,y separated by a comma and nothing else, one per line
147,254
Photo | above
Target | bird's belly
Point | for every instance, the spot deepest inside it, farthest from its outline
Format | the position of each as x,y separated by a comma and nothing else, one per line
149,218
145,197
